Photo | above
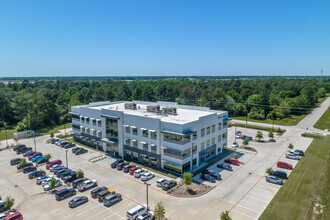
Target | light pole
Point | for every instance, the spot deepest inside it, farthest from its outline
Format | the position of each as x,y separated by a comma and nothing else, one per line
66,158
235,132
34,139
64,131
147,185
192,155
6,135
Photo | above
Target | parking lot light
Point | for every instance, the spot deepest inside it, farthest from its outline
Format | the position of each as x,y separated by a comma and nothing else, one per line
66,157
147,185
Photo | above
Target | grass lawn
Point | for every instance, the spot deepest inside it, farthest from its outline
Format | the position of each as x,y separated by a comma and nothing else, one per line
10,131
324,121
307,188
258,127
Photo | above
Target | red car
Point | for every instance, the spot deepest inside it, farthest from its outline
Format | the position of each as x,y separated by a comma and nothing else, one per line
15,216
232,161
131,171
52,163
35,154
284,165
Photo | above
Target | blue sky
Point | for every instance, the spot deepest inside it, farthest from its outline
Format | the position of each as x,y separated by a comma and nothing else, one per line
169,37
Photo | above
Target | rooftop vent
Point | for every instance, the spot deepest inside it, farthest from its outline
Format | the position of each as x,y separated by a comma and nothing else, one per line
169,110
130,105
153,108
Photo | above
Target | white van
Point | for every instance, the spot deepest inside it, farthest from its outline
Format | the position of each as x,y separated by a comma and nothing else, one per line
136,211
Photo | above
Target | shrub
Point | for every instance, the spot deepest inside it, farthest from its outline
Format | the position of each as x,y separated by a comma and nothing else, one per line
310,135
290,146
270,171
48,156
52,183
259,135
51,134
235,156
9,202
187,178
225,215
22,163
159,211
271,135
80,174
246,141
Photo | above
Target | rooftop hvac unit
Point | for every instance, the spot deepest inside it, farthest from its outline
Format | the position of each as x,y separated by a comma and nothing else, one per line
153,108
130,105
169,110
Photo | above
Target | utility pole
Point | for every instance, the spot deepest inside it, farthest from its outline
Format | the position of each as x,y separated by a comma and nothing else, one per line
235,132
66,157
6,135
64,131
147,185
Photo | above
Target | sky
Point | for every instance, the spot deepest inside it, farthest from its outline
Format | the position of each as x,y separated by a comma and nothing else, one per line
164,37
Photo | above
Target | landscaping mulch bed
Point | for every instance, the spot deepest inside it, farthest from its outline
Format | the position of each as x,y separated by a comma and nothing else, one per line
194,189
245,147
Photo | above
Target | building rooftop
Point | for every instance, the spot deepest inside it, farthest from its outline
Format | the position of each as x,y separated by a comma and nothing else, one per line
184,113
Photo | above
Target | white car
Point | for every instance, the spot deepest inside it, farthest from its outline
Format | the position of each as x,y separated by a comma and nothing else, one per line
87,184
41,178
45,181
292,156
147,176
139,172
160,182
147,216
57,184
235,145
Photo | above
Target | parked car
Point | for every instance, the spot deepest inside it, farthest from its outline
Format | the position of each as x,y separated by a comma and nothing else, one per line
280,174
57,184
168,184
36,174
46,181
29,169
81,151
138,173
114,164
274,179
2,206
284,165
56,167
298,152
101,195
78,201
231,161
41,178
75,149
41,160
77,182
15,161
60,170
35,158
225,166
238,134
160,182
95,191
69,145
52,163
26,154
19,167
292,156
18,146
147,176
133,169
120,166
35,154
150,215
63,172
24,150
54,140
136,211
64,193
234,145
215,175
87,184
70,177
111,199
63,143
207,177
14,216
128,167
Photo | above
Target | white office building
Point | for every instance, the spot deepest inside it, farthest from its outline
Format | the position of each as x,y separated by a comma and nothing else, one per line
160,135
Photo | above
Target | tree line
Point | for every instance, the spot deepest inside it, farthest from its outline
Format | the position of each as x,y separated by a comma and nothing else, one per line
40,103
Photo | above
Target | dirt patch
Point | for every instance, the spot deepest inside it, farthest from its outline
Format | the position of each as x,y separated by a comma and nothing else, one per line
194,189
246,147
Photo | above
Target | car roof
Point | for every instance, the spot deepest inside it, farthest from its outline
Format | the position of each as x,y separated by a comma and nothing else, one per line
279,171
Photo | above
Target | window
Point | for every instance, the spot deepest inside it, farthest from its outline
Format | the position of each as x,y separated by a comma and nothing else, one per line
135,156
94,122
94,133
203,145
172,167
153,148
128,142
208,143
176,153
202,132
87,130
145,159
194,148
212,152
75,117
128,154
153,162
224,135
99,133
145,146
127,129
145,132
99,123
111,129
224,145
135,143
176,139
213,128
87,120
153,135
219,138
186,167
76,126
208,130
219,126
194,135
135,130
213,140
225,123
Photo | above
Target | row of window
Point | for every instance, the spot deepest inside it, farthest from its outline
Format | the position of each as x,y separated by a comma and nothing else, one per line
145,132
145,146
92,132
92,121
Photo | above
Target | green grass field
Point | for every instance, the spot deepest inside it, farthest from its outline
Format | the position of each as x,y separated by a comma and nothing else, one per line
324,121
307,189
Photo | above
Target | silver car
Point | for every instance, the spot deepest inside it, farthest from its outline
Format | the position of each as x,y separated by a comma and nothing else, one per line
274,179
292,156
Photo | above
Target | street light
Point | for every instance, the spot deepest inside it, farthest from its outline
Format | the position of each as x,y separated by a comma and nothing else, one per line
66,157
147,185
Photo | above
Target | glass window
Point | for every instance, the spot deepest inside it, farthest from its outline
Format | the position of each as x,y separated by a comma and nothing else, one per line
212,152
112,129
176,139
135,144
99,123
194,148
202,132
87,120
213,128
128,142
135,156
194,135
219,126
186,167
176,154
135,130
153,148
127,129
75,117
173,168
153,135
225,123
219,138
145,146
208,143
208,130
94,133
224,135
224,145
145,133
128,154
94,122
153,162
213,140
203,145
145,159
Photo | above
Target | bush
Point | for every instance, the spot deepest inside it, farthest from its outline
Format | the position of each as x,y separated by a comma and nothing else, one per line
51,134
187,178
225,215
270,171
235,156
259,135
310,135
22,163
271,135
80,174
52,183
159,211
48,156
246,141
9,202
290,146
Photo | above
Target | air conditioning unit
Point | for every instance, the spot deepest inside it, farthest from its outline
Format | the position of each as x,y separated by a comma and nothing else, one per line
169,110
130,105
153,108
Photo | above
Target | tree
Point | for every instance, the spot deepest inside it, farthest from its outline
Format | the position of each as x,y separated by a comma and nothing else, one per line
48,156
246,141
235,156
51,134
259,135
255,99
290,146
22,163
271,135
225,215
270,171
52,183
80,174
9,202
187,178
321,92
159,211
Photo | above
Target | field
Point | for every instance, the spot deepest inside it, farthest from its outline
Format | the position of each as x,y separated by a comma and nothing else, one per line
305,194
324,121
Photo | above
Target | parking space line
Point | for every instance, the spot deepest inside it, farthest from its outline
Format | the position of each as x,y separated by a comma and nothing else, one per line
243,214
252,204
97,214
86,210
125,207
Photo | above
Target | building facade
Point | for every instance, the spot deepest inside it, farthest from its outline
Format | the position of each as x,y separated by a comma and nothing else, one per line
163,135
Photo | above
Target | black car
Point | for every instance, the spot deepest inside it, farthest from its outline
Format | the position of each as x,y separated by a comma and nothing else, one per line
212,173
280,174
77,182
26,154
299,152
225,166
71,177
127,167
18,146
63,143
19,167
208,177
121,165
24,150
78,201
43,160
168,184
29,169
36,174
95,191
76,148
54,140
61,172
114,164
15,161
69,145
64,193
81,151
